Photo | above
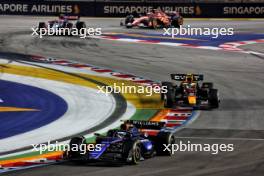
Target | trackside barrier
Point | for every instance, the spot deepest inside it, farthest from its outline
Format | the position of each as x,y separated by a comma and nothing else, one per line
121,9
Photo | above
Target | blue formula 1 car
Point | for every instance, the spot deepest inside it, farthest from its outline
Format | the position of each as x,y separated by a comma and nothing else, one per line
129,144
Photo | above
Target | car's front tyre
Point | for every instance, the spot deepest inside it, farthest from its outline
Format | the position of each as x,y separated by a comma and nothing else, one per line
132,152
168,97
214,98
165,138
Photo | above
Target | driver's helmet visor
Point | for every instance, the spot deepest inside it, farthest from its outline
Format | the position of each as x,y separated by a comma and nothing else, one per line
121,134
189,79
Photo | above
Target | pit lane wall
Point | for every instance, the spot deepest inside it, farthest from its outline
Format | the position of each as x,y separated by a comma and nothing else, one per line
98,8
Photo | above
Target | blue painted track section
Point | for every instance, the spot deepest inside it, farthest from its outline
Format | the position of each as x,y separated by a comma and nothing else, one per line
49,105
199,40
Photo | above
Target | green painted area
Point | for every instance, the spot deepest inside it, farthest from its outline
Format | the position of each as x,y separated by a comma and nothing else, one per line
141,114
22,155
144,114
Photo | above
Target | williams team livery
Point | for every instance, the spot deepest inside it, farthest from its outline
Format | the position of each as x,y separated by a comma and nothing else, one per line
130,144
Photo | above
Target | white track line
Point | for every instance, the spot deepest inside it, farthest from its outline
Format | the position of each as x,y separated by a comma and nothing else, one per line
86,108
129,111
220,138
254,52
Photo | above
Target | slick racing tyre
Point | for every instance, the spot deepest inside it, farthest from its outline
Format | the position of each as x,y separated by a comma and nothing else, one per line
164,138
77,145
154,23
175,22
129,20
80,25
213,98
169,96
208,85
41,25
132,152
180,20
69,25
129,25
164,84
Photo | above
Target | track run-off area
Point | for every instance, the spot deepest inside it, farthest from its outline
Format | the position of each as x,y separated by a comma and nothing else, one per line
58,77
76,107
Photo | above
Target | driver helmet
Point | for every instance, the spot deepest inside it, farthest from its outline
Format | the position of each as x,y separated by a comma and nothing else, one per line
167,12
189,78
61,16
149,14
126,126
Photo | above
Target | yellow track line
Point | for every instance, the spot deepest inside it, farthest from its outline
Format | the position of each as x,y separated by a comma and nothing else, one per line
52,154
156,37
138,100
15,109
141,100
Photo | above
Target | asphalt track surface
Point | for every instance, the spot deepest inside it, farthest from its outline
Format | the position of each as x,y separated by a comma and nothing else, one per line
239,78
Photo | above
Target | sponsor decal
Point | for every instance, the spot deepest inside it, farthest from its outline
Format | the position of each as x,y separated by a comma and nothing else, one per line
120,9
131,9
243,10
37,8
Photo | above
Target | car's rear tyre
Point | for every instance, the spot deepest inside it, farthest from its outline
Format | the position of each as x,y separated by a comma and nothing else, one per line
42,25
129,20
165,138
164,84
214,98
208,85
80,25
175,22
154,23
69,25
128,26
180,20
169,96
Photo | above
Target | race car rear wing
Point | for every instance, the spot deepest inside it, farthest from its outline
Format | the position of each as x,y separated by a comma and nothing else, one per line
182,77
141,124
70,17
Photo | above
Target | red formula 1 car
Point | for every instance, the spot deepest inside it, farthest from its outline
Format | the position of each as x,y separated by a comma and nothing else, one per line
154,19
